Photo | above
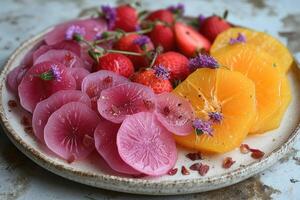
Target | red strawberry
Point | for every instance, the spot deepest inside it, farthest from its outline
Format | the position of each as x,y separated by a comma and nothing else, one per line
161,15
117,63
164,36
211,27
176,63
148,78
127,18
189,41
127,43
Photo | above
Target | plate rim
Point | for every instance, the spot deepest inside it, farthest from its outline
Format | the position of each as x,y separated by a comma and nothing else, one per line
116,183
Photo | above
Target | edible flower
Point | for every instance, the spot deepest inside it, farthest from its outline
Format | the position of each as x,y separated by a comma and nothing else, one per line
201,19
161,72
202,127
201,61
75,32
53,74
215,117
110,15
141,41
177,9
241,38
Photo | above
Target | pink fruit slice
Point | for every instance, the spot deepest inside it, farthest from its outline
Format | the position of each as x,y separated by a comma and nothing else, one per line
34,89
175,113
27,61
91,27
46,107
147,146
94,83
105,141
117,102
79,74
69,131
12,79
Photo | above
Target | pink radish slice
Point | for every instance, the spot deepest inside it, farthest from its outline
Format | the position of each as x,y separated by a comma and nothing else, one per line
94,83
68,58
27,61
117,102
69,131
92,27
12,81
105,141
45,108
147,146
33,89
79,74
175,113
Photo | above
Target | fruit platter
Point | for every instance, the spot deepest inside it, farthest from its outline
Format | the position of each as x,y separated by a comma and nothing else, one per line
151,102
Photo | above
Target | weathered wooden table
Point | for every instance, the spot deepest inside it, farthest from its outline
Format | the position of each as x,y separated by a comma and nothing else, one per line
20,178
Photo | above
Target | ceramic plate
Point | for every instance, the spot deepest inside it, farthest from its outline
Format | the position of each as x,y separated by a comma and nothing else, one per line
94,171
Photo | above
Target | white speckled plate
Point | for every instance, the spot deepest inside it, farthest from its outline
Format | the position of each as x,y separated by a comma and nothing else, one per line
94,172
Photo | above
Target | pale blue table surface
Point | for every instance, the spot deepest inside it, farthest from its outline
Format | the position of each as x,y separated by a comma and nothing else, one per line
22,179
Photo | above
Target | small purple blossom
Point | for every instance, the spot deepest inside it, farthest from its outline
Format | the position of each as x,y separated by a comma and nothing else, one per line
215,117
72,30
141,40
55,72
203,127
110,15
241,38
177,9
202,61
161,72
138,27
201,19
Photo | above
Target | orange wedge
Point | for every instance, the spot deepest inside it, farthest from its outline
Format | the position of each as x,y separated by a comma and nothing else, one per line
227,92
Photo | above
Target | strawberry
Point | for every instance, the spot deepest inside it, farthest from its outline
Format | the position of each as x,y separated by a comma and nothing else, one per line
127,18
163,35
117,63
189,41
176,63
148,78
127,43
161,15
212,26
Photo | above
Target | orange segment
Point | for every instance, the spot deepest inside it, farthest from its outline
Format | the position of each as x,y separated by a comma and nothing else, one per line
224,91
258,66
260,39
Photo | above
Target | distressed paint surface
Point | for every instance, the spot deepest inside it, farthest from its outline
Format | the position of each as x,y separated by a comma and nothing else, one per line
21,179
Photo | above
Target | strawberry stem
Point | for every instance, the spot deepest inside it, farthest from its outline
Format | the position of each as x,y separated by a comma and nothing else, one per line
124,52
225,15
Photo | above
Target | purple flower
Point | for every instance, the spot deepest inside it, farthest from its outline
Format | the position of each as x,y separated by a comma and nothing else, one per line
74,30
201,61
110,15
161,72
215,117
178,9
55,72
241,38
203,127
201,19
138,27
141,40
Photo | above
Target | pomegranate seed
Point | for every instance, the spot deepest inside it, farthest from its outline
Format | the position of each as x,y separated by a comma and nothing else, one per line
227,162
257,154
203,169
173,171
12,103
244,148
195,167
194,156
184,170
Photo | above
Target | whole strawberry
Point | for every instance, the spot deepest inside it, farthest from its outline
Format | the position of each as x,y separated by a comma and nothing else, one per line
176,63
162,15
163,35
212,26
126,18
117,63
153,79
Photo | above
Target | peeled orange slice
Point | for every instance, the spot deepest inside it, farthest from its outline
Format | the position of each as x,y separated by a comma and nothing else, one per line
259,39
227,92
258,66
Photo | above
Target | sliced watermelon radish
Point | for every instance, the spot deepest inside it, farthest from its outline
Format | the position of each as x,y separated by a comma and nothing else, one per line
94,83
105,141
45,108
91,27
117,102
79,74
69,131
27,61
175,113
33,88
12,79
147,146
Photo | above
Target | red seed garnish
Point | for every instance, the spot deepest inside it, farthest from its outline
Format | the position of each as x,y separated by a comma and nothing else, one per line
244,148
108,80
25,121
257,154
71,159
12,103
194,156
195,166
173,171
184,171
203,169
227,162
